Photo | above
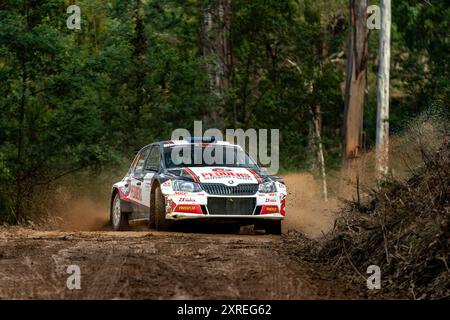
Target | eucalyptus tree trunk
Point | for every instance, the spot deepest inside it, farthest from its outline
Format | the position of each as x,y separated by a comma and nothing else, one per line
382,139
357,56
21,118
217,50
225,57
139,43
355,86
316,115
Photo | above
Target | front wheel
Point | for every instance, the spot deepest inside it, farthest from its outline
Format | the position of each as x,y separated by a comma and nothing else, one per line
119,219
161,223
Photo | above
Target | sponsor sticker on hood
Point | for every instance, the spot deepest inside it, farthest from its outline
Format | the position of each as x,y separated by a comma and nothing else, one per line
228,176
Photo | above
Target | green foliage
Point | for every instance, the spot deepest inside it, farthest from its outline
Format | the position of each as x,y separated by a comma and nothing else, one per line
419,64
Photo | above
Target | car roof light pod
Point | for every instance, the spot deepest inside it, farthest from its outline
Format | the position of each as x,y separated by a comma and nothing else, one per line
201,139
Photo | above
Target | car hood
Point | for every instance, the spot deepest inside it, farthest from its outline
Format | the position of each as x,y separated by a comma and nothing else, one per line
226,175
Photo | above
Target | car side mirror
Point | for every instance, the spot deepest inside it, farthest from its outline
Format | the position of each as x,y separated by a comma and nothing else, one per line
264,171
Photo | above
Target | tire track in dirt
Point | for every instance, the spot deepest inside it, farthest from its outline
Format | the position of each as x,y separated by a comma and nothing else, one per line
157,265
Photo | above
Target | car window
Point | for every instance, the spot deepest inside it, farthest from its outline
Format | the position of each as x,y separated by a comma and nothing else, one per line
133,164
212,156
153,159
142,156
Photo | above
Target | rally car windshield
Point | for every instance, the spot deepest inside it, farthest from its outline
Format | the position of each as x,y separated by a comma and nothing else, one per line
206,156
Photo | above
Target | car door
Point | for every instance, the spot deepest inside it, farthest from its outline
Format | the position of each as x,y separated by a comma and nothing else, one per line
151,168
137,179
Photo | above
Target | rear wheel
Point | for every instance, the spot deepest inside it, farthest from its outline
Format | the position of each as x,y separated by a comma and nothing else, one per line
119,219
273,227
161,223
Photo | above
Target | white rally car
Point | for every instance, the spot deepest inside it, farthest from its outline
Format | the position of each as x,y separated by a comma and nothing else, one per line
199,179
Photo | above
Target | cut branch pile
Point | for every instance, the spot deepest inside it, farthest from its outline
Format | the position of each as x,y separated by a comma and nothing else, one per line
404,229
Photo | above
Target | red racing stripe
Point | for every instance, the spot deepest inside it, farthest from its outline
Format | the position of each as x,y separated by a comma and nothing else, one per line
192,174
131,201
260,180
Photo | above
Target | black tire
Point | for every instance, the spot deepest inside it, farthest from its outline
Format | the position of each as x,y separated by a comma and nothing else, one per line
118,219
161,223
151,215
151,221
273,227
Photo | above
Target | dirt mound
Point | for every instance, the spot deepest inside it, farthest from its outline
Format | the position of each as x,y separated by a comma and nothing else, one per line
404,229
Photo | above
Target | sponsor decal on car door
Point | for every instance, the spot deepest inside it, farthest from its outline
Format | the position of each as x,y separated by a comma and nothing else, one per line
146,185
151,168
137,178
136,190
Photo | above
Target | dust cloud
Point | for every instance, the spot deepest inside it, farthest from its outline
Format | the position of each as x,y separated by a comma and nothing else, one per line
306,211
407,150
84,214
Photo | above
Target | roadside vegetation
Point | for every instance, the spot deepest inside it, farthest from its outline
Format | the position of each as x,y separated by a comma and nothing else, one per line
401,226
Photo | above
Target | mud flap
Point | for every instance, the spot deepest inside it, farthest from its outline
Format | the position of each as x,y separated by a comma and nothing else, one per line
126,206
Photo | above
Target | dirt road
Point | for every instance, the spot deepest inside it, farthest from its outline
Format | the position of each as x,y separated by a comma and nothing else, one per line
157,265
171,265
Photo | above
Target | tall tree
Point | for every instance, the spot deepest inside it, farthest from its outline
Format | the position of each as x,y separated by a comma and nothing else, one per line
356,78
382,140
217,51
139,44
317,122
23,59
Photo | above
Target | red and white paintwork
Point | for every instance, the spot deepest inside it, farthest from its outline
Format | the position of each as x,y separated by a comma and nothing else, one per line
186,205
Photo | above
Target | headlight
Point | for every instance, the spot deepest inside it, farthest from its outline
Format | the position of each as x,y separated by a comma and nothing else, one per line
186,186
267,187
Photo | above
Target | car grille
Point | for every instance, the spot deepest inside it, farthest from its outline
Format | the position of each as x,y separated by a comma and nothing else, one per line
231,206
245,189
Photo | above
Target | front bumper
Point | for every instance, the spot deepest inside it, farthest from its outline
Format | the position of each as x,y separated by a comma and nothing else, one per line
190,206
205,206
191,216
